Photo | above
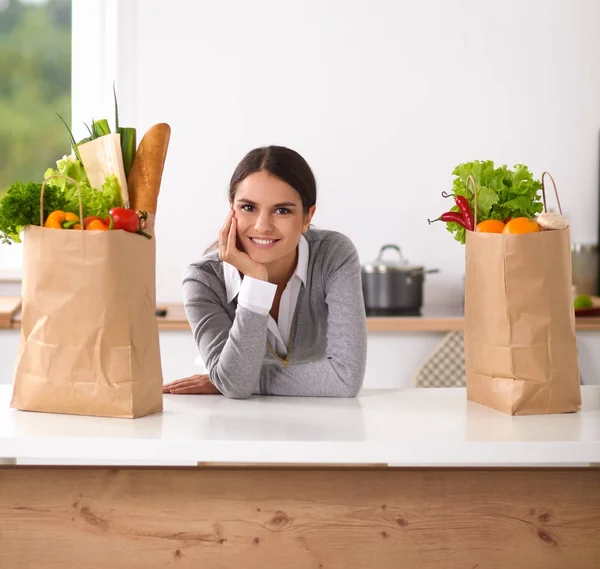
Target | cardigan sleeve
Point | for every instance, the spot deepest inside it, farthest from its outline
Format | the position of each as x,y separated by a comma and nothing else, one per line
340,373
232,351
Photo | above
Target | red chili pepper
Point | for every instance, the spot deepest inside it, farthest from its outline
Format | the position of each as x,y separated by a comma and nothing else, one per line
450,216
465,208
467,213
128,220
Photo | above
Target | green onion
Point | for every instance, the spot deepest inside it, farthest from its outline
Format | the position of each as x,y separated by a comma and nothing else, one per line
128,138
100,128
72,138
128,146
116,108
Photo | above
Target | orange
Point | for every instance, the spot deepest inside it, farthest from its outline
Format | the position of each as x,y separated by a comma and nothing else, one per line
521,225
490,226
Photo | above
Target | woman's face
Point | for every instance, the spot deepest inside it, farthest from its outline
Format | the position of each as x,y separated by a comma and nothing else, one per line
270,218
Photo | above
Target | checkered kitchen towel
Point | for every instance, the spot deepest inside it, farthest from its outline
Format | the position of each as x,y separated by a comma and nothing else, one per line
445,367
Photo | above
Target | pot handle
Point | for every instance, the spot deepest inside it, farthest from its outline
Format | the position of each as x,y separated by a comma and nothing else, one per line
423,272
389,246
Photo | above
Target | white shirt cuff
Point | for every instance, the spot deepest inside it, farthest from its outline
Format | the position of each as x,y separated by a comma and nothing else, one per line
256,295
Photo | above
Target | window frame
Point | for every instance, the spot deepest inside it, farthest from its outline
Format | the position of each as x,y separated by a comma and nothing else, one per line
103,44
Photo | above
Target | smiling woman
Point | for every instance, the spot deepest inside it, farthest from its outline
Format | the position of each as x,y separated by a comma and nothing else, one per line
278,309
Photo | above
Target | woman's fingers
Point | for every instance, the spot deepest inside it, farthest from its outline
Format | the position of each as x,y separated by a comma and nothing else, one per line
185,382
181,384
190,390
224,235
194,377
231,237
203,387
199,384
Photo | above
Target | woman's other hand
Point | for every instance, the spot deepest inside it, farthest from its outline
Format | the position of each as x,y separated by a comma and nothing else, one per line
229,252
195,384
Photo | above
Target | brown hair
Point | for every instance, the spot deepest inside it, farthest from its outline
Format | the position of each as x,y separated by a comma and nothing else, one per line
283,163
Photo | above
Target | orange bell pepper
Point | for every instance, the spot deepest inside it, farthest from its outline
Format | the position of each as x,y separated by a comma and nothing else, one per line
62,220
97,225
55,219
71,221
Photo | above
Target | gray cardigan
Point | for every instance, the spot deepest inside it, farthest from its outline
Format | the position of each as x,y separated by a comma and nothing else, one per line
328,339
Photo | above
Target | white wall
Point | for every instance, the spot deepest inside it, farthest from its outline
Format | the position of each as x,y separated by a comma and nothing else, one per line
383,98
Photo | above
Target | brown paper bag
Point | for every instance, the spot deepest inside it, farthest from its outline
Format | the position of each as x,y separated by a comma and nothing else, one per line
520,343
89,334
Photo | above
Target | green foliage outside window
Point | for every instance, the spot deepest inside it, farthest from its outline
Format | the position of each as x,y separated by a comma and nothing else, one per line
35,84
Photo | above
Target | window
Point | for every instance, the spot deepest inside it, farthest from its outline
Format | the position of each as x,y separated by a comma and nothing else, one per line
35,67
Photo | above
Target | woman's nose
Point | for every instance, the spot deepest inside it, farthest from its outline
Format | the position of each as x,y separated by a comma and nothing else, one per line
263,223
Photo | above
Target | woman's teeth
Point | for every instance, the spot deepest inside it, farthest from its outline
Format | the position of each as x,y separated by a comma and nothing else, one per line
263,241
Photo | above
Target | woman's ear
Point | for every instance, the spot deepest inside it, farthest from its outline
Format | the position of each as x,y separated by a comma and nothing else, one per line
308,218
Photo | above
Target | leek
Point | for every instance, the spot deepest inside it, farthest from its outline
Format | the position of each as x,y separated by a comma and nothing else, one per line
128,146
100,128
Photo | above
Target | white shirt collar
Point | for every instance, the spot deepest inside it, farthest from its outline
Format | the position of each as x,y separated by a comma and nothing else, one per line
233,281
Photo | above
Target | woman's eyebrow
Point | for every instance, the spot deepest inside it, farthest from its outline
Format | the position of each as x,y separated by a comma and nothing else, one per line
284,204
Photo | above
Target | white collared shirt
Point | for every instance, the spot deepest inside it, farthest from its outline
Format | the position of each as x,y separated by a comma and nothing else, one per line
257,295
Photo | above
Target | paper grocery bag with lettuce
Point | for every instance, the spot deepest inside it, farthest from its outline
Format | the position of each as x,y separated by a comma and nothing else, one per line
89,335
520,343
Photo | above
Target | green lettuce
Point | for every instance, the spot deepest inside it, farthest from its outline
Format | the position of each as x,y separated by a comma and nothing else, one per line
501,192
67,166
95,201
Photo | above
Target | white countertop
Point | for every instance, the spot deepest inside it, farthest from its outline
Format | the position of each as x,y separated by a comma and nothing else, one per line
412,427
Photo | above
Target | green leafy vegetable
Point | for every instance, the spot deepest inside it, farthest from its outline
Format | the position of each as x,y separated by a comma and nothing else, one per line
20,206
67,166
96,202
501,192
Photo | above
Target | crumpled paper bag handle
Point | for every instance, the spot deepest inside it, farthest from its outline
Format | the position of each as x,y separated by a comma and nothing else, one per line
472,180
555,192
42,198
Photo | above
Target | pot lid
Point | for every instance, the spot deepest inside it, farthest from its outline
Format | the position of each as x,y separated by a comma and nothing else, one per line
399,263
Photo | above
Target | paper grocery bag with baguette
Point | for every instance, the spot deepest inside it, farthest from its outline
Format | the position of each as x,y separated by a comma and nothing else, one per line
520,343
89,335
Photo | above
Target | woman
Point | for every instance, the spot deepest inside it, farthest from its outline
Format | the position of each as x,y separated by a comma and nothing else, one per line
278,309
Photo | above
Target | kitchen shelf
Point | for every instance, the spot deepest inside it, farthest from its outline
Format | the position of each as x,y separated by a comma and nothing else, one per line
434,319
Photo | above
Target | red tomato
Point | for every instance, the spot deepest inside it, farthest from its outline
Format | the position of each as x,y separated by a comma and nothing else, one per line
126,219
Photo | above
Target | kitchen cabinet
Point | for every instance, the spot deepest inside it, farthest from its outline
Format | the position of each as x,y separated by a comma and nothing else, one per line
397,347
420,475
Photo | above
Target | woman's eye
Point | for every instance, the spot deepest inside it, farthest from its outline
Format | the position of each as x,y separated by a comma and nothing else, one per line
283,210
247,207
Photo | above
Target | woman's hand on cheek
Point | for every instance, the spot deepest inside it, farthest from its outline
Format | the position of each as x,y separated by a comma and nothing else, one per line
229,252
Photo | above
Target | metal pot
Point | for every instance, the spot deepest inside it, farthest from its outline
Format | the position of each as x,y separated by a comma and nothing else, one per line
393,287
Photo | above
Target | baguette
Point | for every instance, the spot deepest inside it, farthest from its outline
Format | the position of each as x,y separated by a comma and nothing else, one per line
147,168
